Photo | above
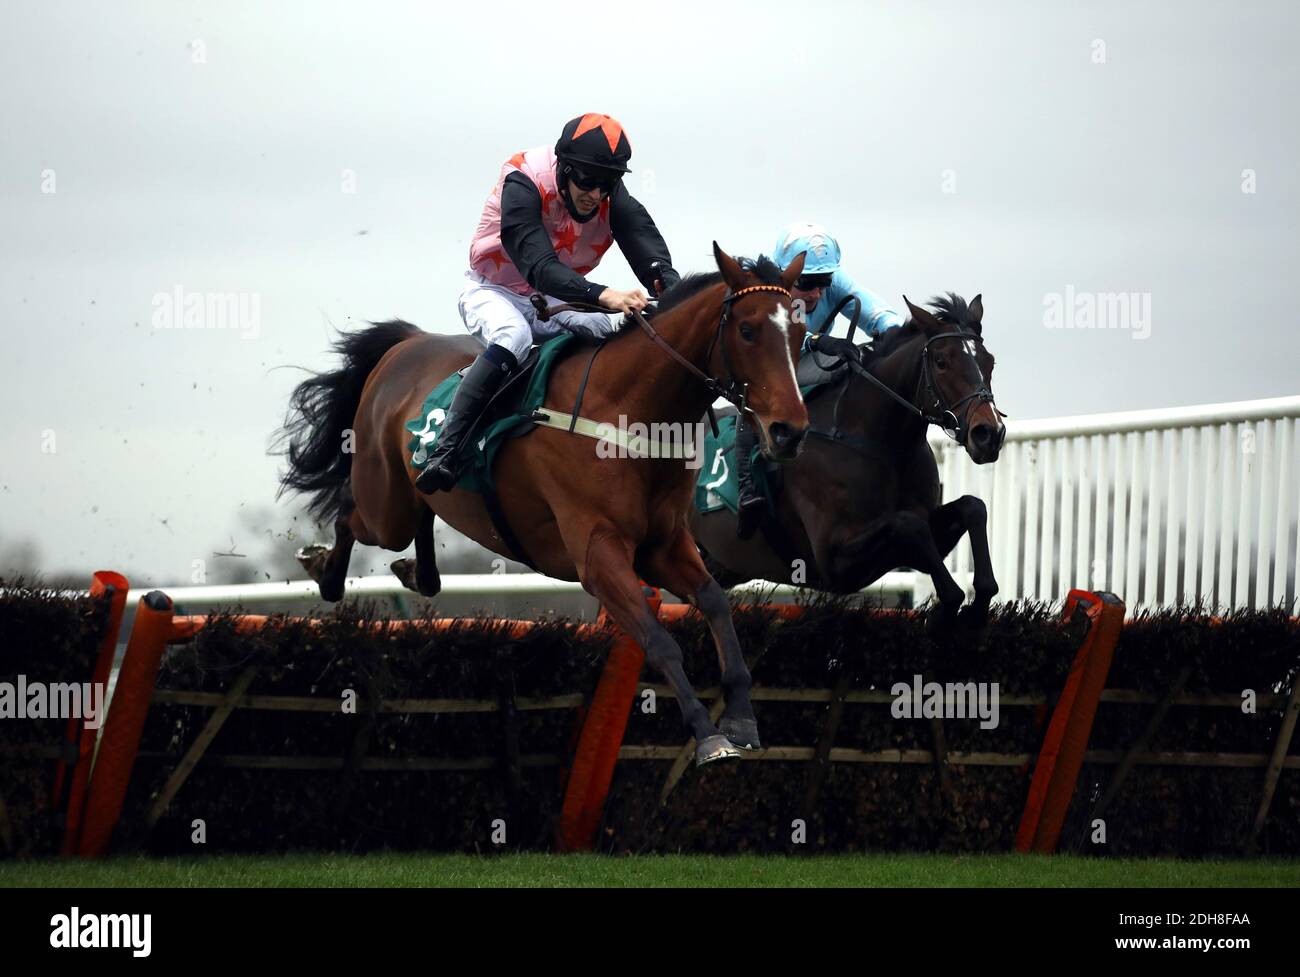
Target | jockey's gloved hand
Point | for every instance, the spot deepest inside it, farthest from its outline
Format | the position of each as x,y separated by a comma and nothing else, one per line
832,346
665,277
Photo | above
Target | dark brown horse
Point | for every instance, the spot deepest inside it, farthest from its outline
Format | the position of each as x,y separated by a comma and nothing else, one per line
863,496
609,522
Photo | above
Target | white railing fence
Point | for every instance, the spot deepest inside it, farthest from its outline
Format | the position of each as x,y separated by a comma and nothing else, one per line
1161,507
464,585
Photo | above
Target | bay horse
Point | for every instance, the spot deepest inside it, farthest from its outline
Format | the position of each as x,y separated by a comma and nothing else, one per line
863,497
609,522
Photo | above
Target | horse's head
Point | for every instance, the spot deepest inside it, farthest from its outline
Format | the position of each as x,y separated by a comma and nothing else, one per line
957,375
759,343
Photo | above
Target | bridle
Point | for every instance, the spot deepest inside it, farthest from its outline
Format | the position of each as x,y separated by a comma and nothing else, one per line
732,390
938,411
960,424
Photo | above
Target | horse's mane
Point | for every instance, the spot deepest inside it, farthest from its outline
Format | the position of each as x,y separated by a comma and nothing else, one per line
767,271
950,309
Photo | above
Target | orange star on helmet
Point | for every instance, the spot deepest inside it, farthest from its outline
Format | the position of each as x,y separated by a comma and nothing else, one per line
596,120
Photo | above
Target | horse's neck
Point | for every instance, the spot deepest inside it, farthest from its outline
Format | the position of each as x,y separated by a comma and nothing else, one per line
644,381
900,371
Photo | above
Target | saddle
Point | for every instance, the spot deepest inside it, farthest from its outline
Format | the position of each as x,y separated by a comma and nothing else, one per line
824,365
507,415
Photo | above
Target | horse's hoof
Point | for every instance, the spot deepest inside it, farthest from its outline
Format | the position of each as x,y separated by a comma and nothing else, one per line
973,623
715,747
741,733
313,559
941,620
404,571
407,571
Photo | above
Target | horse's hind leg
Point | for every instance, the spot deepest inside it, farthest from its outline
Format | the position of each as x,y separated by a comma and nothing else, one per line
678,567
606,572
421,574
328,565
968,514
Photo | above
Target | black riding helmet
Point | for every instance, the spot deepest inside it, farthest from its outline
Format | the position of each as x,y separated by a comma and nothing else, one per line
593,150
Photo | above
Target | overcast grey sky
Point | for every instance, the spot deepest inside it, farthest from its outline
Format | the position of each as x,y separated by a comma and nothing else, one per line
1021,150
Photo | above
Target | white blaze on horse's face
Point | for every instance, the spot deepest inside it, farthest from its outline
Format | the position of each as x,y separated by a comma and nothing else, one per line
781,319
970,348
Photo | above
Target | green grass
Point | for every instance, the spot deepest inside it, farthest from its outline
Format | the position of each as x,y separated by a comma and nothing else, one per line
648,871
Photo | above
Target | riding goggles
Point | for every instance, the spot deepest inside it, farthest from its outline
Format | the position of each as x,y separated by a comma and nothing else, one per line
807,283
603,180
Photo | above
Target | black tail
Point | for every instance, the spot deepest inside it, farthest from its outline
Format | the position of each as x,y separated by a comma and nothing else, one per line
321,408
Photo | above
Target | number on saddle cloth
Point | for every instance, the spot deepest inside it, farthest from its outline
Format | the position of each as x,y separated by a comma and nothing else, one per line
507,414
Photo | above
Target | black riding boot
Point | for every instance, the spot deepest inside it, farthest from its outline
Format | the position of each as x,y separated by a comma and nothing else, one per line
480,382
749,503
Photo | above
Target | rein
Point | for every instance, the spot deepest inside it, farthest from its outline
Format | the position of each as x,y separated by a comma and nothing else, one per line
947,420
732,391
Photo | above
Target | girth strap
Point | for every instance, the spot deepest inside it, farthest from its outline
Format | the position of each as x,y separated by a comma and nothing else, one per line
633,444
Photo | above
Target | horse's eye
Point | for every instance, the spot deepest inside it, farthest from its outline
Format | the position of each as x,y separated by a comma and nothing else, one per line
747,333
941,363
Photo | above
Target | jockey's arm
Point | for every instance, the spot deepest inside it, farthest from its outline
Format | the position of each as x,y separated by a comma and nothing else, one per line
876,315
527,244
639,239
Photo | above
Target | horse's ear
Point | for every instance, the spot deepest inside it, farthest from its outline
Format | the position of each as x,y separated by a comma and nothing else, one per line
924,320
976,309
732,273
793,270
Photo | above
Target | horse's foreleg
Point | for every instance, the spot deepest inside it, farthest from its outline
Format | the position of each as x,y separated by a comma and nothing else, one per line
899,539
968,514
679,568
606,572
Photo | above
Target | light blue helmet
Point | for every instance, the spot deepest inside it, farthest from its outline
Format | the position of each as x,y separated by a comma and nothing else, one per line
823,250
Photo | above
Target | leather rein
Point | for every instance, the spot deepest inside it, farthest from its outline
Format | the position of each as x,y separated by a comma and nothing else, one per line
946,419
732,391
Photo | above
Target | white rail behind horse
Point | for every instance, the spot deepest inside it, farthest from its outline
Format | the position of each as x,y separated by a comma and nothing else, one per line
1159,506
484,585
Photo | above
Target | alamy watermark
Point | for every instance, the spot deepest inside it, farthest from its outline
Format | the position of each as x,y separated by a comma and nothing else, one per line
656,439
53,700
75,930
1098,310
953,700
180,309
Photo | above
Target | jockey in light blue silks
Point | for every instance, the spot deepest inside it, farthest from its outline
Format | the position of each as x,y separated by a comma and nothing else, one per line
821,288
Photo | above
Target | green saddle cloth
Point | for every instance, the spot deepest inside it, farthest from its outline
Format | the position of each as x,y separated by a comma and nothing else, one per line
487,441
716,486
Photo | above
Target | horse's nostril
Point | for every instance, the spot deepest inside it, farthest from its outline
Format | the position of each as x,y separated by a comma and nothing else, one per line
981,435
785,439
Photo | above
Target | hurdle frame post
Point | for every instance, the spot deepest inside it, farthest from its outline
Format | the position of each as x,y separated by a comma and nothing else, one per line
1060,759
120,739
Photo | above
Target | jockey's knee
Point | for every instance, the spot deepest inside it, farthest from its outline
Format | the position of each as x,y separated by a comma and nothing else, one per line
502,357
517,341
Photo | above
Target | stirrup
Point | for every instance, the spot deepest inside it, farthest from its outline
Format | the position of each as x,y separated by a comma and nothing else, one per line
439,475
